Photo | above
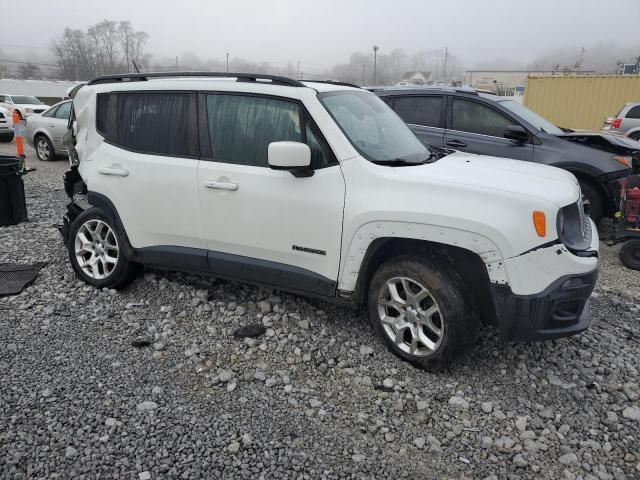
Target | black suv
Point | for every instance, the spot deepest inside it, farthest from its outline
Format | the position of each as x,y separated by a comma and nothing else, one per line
463,119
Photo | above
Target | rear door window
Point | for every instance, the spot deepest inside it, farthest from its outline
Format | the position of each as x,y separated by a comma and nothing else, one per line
419,110
159,123
475,117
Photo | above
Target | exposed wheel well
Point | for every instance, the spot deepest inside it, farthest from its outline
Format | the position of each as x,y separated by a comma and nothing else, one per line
466,263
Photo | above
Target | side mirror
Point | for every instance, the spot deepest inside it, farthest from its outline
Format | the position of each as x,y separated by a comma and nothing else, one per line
292,156
516,133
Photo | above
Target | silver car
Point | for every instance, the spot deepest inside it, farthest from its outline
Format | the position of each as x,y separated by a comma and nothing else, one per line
626,122
44,132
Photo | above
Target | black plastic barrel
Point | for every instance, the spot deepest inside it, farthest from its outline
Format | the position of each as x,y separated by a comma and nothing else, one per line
13,208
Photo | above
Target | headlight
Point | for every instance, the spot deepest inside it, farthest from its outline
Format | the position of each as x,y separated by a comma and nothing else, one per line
28,110
574,227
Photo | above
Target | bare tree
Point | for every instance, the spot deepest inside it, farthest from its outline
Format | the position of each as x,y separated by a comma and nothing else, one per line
132,45
107,47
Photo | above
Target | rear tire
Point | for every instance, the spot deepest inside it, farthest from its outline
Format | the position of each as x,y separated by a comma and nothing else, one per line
593,202
44,148
95,251
630,254
423,311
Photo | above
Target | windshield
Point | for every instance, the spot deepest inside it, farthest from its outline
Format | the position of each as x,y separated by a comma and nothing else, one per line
22,100
533,118
373,128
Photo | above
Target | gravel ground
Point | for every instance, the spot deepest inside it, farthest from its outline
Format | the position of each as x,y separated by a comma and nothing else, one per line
316,396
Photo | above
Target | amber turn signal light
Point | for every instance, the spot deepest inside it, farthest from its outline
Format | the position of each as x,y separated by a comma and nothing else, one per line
540,223
626,161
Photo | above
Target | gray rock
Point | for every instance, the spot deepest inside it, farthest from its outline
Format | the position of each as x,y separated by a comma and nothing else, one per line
487,407
304,324
147,406
225,375
70,452
234,447
568,459
366,350
632,413
419,442
459,403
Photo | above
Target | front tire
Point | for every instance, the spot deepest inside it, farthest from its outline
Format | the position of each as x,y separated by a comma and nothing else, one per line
423,311
593,202
44,148
630,254
95,251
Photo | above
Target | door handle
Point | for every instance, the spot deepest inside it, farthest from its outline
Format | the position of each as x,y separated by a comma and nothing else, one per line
221,185
113,170
456,144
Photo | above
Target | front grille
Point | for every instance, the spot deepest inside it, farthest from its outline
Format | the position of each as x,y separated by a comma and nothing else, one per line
1,115
39,111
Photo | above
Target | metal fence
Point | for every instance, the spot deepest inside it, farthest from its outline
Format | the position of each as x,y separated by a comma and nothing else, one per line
580,102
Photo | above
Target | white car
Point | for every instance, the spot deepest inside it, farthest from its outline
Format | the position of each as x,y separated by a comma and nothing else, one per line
6,125
321,189
25,104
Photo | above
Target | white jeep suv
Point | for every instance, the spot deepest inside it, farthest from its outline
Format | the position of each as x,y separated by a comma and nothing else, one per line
319,188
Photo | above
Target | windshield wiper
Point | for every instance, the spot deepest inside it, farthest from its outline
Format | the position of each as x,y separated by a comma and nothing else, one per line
401,162
394,162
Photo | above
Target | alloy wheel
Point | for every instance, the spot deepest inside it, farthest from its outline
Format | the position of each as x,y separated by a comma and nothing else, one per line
96,249
410,316
44,152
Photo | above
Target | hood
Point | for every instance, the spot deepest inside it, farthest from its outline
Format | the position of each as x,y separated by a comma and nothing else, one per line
613,139
500,174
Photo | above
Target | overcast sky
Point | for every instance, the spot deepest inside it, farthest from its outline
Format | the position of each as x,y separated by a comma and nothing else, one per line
322,33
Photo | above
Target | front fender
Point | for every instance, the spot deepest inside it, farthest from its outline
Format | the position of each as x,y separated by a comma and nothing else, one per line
366,234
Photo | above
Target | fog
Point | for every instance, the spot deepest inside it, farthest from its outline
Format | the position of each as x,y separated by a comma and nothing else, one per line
320,34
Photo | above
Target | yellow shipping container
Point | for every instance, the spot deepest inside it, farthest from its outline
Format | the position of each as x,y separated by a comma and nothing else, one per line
580,101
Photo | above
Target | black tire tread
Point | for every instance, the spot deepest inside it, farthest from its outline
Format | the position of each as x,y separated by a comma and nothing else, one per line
628,254
125,271
462,322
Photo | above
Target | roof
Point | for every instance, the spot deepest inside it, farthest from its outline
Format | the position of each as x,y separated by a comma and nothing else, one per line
417,90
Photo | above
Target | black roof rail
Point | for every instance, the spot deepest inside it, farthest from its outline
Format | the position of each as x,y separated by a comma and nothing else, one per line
240,77
334,82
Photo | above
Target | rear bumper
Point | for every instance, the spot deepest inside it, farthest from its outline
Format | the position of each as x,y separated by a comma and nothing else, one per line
560,310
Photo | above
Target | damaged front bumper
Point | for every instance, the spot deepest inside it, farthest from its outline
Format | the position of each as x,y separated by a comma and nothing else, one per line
559,311
546,292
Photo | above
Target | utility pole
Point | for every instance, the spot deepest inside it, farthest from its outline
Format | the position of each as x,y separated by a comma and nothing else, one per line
375,63
298,71
444,69
227,62
176,63
363,74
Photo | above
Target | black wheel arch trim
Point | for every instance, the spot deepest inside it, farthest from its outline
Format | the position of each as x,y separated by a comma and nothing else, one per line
102,202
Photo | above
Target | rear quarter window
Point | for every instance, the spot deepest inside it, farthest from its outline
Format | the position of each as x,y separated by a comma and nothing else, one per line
159,123
634,112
